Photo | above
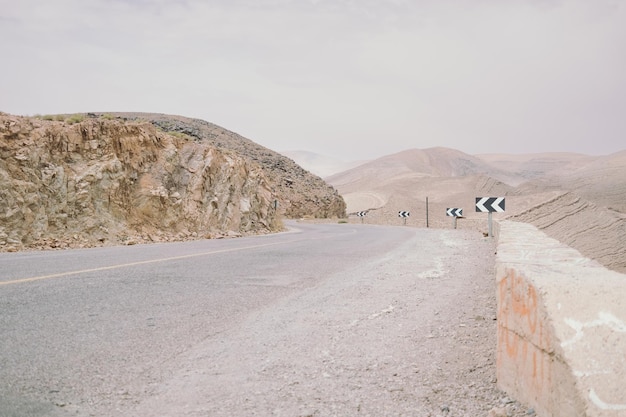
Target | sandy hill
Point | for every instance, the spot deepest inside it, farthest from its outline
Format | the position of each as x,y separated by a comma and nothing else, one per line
578,199
406,178
417,163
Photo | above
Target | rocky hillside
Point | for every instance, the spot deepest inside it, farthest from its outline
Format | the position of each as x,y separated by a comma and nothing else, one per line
299,193
93,180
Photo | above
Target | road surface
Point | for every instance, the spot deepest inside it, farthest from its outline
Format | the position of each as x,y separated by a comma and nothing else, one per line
324,320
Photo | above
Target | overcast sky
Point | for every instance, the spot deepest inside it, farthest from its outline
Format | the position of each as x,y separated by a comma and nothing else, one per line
354,79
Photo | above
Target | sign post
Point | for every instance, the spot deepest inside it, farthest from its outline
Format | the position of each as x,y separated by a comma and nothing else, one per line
362,215
404,215
490,205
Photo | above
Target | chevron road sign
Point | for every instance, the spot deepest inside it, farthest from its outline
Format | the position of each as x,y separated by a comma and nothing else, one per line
490,204
404,215
361,214
455,212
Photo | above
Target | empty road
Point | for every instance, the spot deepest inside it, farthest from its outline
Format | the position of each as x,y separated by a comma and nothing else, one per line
323,320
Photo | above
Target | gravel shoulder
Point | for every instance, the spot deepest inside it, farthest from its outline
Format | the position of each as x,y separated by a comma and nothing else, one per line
412,334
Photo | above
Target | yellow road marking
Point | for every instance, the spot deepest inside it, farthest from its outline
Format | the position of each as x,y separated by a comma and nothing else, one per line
105,268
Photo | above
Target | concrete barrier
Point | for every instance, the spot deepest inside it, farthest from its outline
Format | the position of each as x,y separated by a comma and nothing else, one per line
561,327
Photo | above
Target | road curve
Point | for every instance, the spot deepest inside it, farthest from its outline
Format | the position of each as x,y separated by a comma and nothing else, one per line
266,325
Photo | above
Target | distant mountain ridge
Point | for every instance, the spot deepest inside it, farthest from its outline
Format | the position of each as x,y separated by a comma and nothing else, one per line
431,162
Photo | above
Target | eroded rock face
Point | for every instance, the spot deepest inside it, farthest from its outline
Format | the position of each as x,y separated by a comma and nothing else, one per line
298,192
111,181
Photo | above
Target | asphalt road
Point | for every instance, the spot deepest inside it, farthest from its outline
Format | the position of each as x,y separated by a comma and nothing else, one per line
77,326
122,330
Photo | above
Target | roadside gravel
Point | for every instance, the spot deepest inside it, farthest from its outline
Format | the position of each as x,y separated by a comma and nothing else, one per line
413,334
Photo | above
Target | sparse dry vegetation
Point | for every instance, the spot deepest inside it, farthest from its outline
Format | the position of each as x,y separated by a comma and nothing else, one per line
75,118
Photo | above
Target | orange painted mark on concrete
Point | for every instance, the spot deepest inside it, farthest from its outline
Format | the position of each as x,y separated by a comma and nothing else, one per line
523,299
522,340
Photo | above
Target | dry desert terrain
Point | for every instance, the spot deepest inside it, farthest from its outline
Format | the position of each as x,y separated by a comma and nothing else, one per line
577,199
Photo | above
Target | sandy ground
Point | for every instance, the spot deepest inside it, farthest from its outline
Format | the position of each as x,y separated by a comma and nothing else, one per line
412,335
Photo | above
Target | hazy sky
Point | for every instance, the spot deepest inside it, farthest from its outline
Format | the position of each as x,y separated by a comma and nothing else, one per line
353,79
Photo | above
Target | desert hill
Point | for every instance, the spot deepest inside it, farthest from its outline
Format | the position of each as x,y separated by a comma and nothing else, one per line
577,199
85,180
418,163
406,178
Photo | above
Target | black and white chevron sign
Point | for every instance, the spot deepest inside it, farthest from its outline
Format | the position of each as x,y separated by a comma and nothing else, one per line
361,213
490,204
455,212
403,214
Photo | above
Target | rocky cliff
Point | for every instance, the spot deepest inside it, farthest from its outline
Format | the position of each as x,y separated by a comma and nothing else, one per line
104,180
298,192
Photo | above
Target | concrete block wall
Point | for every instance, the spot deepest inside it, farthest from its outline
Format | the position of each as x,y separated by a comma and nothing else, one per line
561,326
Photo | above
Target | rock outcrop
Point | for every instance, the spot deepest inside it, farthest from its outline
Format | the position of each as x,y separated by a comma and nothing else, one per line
105,180
298,192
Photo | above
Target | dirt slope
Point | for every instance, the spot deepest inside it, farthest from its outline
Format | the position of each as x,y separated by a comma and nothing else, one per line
594,231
